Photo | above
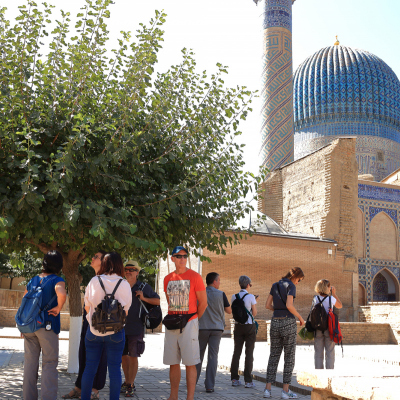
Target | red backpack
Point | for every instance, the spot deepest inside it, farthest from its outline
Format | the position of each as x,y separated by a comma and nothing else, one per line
334,327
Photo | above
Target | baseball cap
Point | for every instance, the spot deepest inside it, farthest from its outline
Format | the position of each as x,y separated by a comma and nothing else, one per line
177,249
133,263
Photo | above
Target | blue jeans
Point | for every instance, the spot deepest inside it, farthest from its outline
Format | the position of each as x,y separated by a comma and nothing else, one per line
114,345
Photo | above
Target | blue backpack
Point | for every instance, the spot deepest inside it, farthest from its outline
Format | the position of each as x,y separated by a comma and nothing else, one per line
30,316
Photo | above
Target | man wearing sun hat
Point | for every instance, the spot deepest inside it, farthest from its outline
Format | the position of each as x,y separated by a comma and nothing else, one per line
186,296
134,328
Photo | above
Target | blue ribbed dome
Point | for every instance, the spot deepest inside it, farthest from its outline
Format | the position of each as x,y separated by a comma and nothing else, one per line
341,84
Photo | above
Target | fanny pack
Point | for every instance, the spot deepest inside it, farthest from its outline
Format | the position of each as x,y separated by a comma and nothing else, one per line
176,321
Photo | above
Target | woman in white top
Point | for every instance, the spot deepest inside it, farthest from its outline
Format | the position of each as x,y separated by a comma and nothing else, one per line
111,272
322,340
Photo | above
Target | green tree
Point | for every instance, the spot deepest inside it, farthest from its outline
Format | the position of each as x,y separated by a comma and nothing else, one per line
97,150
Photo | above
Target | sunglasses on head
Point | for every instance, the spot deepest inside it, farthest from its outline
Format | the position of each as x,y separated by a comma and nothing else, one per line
179,256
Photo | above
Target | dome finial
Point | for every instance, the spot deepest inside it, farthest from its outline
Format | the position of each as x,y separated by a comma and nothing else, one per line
337,42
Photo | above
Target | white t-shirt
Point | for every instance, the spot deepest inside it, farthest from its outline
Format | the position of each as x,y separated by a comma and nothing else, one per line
249,300
325,302
95,294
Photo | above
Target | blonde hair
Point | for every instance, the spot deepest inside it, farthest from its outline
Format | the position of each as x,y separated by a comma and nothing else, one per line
323,287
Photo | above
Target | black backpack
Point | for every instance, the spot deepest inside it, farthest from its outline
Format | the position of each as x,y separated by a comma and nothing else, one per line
150,314
318,318
109,315
239,310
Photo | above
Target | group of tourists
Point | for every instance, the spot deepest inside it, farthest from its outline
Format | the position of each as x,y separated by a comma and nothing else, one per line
195,321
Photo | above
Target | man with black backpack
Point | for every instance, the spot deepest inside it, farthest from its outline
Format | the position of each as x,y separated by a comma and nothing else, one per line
134,328
244,305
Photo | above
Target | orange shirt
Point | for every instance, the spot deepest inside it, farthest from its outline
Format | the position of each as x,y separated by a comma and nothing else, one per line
181,290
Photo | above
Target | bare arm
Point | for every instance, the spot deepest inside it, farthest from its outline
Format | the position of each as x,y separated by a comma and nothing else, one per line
338,303
61,298
254,309
202,302
228,310
290,307
268,304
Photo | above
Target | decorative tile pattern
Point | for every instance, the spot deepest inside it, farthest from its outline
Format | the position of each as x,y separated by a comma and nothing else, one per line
277,94
380,288
340,91
378,193
362,270
376,210
364,283
278,13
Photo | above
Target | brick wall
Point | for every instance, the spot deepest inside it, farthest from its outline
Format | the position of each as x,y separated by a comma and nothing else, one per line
317,195
382,313
353,333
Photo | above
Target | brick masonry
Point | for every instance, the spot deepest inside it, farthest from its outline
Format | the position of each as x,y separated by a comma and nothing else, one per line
382,313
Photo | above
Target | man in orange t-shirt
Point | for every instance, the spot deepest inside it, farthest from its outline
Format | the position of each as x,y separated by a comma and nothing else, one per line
186,294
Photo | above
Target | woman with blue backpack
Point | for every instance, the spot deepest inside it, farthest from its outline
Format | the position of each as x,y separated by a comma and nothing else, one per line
326,295
283,330
47,291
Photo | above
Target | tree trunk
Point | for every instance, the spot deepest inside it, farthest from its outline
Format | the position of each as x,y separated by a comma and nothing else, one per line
11,281
70,269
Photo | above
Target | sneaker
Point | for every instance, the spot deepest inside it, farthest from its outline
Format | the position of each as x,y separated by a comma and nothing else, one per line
288,395
129,390
123,387
209,390
267,393
249,385
236,382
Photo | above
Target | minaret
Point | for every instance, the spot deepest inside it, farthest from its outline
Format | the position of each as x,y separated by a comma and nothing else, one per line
277,85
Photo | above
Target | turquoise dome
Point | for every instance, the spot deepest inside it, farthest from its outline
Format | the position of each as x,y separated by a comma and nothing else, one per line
341,84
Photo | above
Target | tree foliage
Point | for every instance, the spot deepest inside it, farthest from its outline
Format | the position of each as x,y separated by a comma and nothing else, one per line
97,150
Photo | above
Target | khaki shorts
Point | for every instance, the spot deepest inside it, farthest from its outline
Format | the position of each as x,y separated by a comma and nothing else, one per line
182,346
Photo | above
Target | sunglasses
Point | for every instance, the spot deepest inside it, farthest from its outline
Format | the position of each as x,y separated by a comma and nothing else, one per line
131,270
179,256
95,257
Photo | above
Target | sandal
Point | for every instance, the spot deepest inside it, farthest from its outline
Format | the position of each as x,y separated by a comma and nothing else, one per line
75,395
93,396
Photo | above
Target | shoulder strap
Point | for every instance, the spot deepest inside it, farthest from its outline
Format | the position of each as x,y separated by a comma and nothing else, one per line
101,284
321,301
116,287
53,298
330,303
142,285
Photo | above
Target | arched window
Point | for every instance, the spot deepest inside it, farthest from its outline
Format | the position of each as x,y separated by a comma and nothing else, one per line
385,287
383,238
360,234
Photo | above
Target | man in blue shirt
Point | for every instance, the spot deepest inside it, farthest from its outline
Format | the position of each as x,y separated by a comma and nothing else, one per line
134,328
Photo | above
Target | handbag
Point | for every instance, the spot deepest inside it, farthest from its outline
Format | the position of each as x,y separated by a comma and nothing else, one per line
176,321
305,334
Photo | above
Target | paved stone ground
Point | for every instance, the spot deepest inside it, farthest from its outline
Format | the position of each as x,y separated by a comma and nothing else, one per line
153,380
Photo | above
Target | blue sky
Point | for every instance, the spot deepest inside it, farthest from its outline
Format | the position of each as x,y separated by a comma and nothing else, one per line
230,32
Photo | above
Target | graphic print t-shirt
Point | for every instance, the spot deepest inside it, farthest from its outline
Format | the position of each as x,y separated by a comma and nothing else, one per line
181,290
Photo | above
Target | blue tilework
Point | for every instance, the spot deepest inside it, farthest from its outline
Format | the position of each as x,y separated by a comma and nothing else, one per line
378,193
341,84
278,13
376,210
364,283
362,270
277,86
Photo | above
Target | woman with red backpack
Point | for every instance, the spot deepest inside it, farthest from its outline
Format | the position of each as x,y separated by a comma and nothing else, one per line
322,340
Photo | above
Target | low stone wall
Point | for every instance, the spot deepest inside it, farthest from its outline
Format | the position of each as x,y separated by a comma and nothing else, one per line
382,312
12,299
353,333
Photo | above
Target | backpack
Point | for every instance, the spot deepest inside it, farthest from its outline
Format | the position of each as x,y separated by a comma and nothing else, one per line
151,315
239,310
109,315
30,316
334,327
318,318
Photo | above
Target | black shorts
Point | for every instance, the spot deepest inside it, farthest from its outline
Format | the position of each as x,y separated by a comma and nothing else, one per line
134,345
